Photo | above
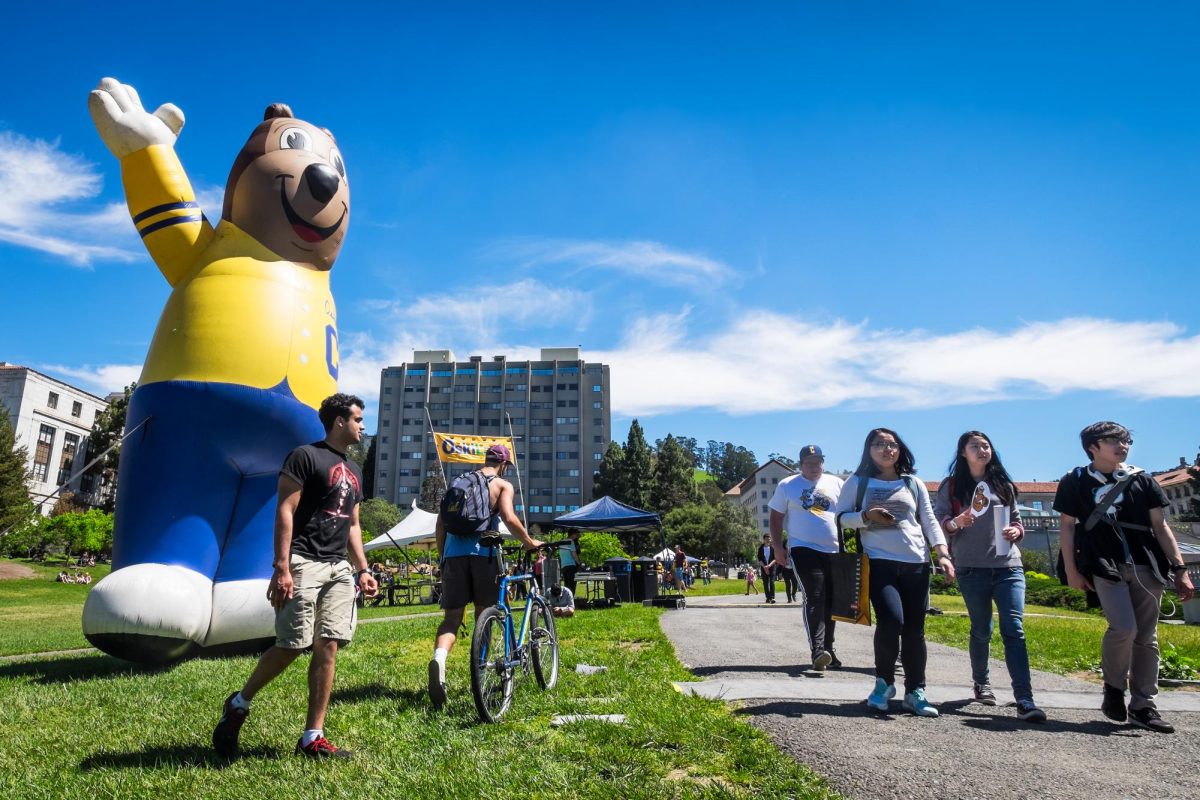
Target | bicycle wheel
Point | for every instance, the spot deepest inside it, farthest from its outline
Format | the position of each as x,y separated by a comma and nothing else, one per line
543,645
491,680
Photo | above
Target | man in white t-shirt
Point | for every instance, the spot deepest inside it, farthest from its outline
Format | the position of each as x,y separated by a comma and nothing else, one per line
804,505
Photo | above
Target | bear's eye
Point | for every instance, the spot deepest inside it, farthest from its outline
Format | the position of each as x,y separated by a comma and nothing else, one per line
335,158
295,139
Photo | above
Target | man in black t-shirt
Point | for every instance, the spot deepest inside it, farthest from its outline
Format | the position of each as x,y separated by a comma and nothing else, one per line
1127,555
312,587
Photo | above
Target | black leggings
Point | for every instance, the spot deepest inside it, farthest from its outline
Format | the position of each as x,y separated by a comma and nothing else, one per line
900,595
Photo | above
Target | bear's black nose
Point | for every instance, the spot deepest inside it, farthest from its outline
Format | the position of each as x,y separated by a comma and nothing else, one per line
322,182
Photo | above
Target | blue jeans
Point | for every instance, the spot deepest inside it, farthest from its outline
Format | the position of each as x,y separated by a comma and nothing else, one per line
981,586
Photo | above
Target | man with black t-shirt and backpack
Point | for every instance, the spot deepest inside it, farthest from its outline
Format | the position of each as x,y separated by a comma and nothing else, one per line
1116,542
468,541
312,587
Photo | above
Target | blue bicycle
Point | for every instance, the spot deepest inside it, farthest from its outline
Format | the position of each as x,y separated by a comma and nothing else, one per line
499,649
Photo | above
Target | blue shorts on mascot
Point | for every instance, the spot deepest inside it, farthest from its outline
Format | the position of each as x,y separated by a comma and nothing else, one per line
245,350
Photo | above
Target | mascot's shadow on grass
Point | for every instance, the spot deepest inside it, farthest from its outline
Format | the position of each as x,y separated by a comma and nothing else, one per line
244,352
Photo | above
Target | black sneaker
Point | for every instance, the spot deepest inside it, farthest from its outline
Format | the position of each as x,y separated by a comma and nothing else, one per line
1149,719
984,694
1026,710
834,661
322,748
437,683
1114,704
225,735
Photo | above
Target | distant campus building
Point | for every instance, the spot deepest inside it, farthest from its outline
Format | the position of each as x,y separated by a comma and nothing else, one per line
560,411
53,420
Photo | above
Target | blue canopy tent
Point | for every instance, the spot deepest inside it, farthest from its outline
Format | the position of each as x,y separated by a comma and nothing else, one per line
607,514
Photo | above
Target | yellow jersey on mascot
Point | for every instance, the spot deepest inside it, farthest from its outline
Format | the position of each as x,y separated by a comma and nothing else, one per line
244,352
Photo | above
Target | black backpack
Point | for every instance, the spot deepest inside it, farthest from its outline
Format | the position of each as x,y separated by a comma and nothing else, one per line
466,507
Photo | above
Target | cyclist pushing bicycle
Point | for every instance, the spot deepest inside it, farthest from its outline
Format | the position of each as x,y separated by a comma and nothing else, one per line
469,543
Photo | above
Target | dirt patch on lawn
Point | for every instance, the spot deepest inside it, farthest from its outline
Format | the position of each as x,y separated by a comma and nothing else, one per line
12,571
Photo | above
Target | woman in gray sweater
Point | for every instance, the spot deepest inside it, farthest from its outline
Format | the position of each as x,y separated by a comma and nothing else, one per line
977,506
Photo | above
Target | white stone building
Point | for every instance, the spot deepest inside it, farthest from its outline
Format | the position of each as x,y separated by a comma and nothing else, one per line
53,421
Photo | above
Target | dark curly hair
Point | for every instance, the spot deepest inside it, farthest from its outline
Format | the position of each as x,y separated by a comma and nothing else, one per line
337,405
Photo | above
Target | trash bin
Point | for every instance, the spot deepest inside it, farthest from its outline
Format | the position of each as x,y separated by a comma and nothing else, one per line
619,589
643,579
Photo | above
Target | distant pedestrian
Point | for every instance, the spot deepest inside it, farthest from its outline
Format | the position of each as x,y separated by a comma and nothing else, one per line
1115,542
766,567
317,535
680,569
750,580
803,504
891,505
989,570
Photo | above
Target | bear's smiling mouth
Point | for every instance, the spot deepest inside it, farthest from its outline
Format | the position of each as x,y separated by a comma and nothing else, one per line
304,229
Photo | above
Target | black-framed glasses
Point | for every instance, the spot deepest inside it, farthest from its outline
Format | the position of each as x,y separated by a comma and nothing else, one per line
1116,440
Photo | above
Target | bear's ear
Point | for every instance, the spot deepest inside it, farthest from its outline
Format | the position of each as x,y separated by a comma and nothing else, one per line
276,110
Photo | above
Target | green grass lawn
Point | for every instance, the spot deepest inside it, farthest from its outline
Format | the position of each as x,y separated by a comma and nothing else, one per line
1065,646
92,726
37,614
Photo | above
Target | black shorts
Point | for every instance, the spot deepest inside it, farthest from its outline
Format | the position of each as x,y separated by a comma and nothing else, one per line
470,579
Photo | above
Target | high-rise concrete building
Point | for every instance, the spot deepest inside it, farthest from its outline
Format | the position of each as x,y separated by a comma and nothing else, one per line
53,420
559,412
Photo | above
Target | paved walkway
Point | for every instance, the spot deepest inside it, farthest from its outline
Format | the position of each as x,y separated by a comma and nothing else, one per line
742,650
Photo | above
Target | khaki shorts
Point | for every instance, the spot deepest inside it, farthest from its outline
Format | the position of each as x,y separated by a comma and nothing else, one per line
322,603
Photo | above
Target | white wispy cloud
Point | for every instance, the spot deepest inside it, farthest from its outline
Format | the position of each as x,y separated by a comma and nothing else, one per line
36,180
652,261
97,379
480,320
767,362
44,194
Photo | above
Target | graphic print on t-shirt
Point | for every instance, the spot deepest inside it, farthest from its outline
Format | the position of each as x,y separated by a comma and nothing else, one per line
815,502
1102,492
896,500
343,484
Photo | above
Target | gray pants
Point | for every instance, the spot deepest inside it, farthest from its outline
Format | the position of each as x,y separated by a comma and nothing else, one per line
1129,652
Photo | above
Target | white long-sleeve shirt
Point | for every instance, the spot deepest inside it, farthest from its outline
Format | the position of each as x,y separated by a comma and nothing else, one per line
916,528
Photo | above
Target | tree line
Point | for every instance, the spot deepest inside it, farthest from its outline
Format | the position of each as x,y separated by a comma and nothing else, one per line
685,483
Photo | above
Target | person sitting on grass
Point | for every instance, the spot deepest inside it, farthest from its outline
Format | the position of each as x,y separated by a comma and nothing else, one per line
562,601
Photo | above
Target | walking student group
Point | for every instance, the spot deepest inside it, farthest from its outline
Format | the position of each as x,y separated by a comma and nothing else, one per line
1114,541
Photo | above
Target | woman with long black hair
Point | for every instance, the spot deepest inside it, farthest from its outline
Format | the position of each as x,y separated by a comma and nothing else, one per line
886,500
972,504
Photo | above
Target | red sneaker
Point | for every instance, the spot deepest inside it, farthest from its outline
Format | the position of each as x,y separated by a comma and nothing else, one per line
321,748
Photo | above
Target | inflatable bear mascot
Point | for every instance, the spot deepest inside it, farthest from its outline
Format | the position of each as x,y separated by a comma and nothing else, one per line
244,353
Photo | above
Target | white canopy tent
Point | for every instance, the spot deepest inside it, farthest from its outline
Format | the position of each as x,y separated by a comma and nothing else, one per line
415,529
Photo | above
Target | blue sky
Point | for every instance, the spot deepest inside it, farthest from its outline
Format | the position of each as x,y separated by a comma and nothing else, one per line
821,217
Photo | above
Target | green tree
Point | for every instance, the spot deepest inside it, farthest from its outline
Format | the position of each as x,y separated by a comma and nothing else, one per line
433,488
377,516
611,474
596,548
638,468
107,431
674,479
368,468
734,535
15,505
80,531
787,462
736,463
691,527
